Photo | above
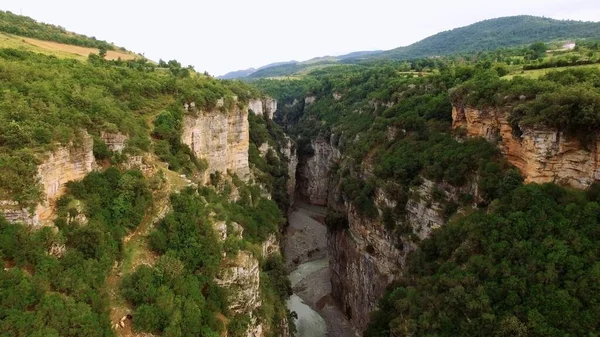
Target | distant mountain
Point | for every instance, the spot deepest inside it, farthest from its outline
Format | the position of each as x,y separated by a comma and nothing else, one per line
505,32
247,72
495,33
237,74
275,69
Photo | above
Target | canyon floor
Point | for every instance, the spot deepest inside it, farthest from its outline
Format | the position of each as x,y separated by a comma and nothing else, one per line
306,256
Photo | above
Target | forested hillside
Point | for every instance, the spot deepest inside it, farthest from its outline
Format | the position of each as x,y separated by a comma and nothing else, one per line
133,245
496,33
488,35
508,259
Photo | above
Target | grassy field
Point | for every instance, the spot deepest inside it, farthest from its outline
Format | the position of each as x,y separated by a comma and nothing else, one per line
58,49
537,73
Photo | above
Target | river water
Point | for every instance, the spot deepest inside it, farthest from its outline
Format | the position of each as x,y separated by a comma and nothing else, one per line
306,256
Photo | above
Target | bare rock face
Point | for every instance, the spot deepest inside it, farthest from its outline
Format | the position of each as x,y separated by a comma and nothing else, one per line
266,106
290,153
364,260
67,163
541,154
309,100
241,277
313,172
114,141
222,138
366,257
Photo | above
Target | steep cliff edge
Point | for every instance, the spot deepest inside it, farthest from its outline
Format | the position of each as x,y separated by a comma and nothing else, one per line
66,163
366,255
220,137
542,154
314,172
266,106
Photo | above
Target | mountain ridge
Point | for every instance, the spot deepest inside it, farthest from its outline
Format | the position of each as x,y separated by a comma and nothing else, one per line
489,34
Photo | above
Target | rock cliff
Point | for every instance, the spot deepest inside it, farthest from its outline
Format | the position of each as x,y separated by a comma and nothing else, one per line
66,163
115,141
221,138
542,154
313,171
366,257
289,151
263,106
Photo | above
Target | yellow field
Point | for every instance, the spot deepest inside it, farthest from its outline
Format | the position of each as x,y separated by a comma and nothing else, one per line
58,49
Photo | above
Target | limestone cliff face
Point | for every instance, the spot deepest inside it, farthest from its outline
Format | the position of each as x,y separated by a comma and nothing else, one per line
221,138
66,163
290,153
541,154
263,106
366,257
240,275
115,141
313,172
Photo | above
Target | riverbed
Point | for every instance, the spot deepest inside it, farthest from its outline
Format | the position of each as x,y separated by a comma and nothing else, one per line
306,256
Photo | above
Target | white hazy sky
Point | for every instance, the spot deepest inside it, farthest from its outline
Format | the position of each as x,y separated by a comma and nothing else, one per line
225,35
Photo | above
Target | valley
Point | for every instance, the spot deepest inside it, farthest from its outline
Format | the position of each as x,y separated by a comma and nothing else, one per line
440,189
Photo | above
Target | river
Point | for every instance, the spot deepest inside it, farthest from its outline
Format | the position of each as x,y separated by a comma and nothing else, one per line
306,256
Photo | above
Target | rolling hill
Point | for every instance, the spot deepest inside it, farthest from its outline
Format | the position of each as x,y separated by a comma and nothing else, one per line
490,34
495,33
24,33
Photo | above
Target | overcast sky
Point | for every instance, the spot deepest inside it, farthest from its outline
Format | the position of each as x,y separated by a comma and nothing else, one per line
224,35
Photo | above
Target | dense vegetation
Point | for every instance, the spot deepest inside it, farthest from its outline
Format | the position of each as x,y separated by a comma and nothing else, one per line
496,33
28,27
60,282
47,101
527,268
568,100
178,296
518,260
55,281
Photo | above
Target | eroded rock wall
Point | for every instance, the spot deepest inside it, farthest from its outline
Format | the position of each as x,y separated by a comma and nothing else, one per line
221,138
290,153
66,163
366,257
266,106
542,154
314,172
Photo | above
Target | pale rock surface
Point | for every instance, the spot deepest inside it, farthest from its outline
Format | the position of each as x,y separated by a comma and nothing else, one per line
290,153
313,183
542,154
266,106
222,138
66,163
367,257
115,141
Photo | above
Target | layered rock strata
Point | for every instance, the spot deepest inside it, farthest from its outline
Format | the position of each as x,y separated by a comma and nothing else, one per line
221,138
542,154
67,163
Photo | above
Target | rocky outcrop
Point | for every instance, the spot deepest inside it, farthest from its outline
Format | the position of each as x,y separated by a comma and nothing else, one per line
364,260
266,106
542,154
115,141
289,151
309,100
366,257
221,138
313,172
66,163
